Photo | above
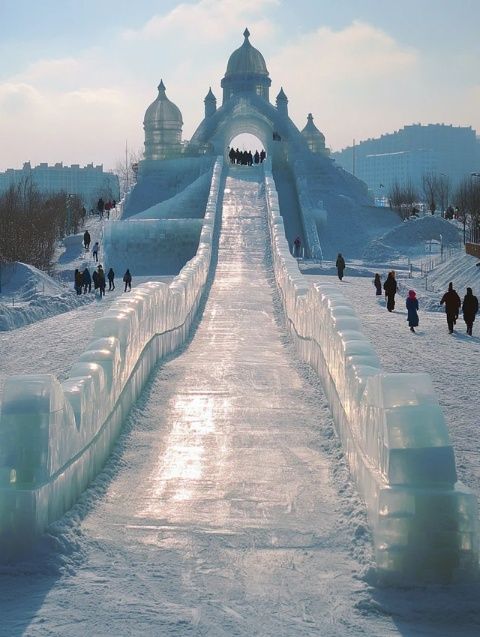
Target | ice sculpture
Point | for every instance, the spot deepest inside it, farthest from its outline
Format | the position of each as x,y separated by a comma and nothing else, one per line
55,437
425,523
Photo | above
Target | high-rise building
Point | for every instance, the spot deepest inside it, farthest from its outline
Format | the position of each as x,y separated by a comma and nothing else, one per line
88,182
415,150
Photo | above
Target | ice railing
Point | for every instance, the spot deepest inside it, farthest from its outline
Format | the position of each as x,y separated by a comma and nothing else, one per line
424,522
55,437
309,214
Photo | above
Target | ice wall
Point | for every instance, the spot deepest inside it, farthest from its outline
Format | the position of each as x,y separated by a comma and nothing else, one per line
310,214
55,437
150,246
424,522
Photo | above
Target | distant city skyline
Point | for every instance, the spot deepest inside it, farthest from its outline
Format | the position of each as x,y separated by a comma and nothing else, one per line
76,78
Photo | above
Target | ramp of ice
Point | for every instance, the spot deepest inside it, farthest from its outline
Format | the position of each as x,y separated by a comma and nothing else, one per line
55,437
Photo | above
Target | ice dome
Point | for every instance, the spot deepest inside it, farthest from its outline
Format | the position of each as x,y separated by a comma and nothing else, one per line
162,110
163,127
315,139
246,72
246,59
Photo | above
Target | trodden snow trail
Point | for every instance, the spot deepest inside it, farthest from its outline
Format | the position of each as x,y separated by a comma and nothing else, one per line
223,510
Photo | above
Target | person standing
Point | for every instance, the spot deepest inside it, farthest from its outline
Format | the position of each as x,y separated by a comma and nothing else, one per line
101,280
390,287
452,306
78,281
87,281
127,279
111,277
86,240
296,246
95,251
469,309
377,282
412,309
340,263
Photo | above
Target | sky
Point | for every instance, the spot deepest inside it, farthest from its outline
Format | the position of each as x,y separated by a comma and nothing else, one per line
76,76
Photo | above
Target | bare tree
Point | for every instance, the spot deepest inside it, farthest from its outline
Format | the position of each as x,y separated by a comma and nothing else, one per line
430,187
126,170
31,222
402,198
443,191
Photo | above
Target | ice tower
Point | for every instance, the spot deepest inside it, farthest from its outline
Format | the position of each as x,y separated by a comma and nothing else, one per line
311,186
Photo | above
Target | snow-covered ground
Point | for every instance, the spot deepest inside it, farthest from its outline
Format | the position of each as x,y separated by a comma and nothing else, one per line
227,507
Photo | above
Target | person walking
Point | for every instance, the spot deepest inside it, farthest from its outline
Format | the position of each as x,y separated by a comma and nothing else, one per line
412,310
390,287
127,279
95,280
340,263
87,281
452,306
78,281
86,240
95,251
297,243
111,277
101,280
469,309
377,282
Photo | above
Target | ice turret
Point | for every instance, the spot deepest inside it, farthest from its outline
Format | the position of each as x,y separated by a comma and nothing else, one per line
246,72
163,127
282,103
315,139
210,102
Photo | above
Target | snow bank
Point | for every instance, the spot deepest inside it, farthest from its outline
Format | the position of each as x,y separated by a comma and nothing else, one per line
410,236
28,295
392,428
55,437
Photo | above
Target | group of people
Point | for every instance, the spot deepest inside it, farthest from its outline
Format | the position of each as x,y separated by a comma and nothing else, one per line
83,280
105,207
245,157
451,300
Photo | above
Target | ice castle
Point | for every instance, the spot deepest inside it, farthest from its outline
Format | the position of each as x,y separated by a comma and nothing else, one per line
311,186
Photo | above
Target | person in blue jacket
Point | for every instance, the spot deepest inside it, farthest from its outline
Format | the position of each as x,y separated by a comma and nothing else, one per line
87,281
412,309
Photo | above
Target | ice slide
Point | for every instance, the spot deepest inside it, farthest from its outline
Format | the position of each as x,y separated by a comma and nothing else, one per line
424,524
55,437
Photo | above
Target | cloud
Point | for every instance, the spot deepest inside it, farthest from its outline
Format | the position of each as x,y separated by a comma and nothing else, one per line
208,21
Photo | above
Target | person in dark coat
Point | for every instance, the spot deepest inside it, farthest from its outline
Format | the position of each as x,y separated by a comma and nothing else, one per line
86,240
452,306
296,246
340,263
390,287
101,280
111,277
87,281
377,282
127,279
412,309
95,280
469,309
78,281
